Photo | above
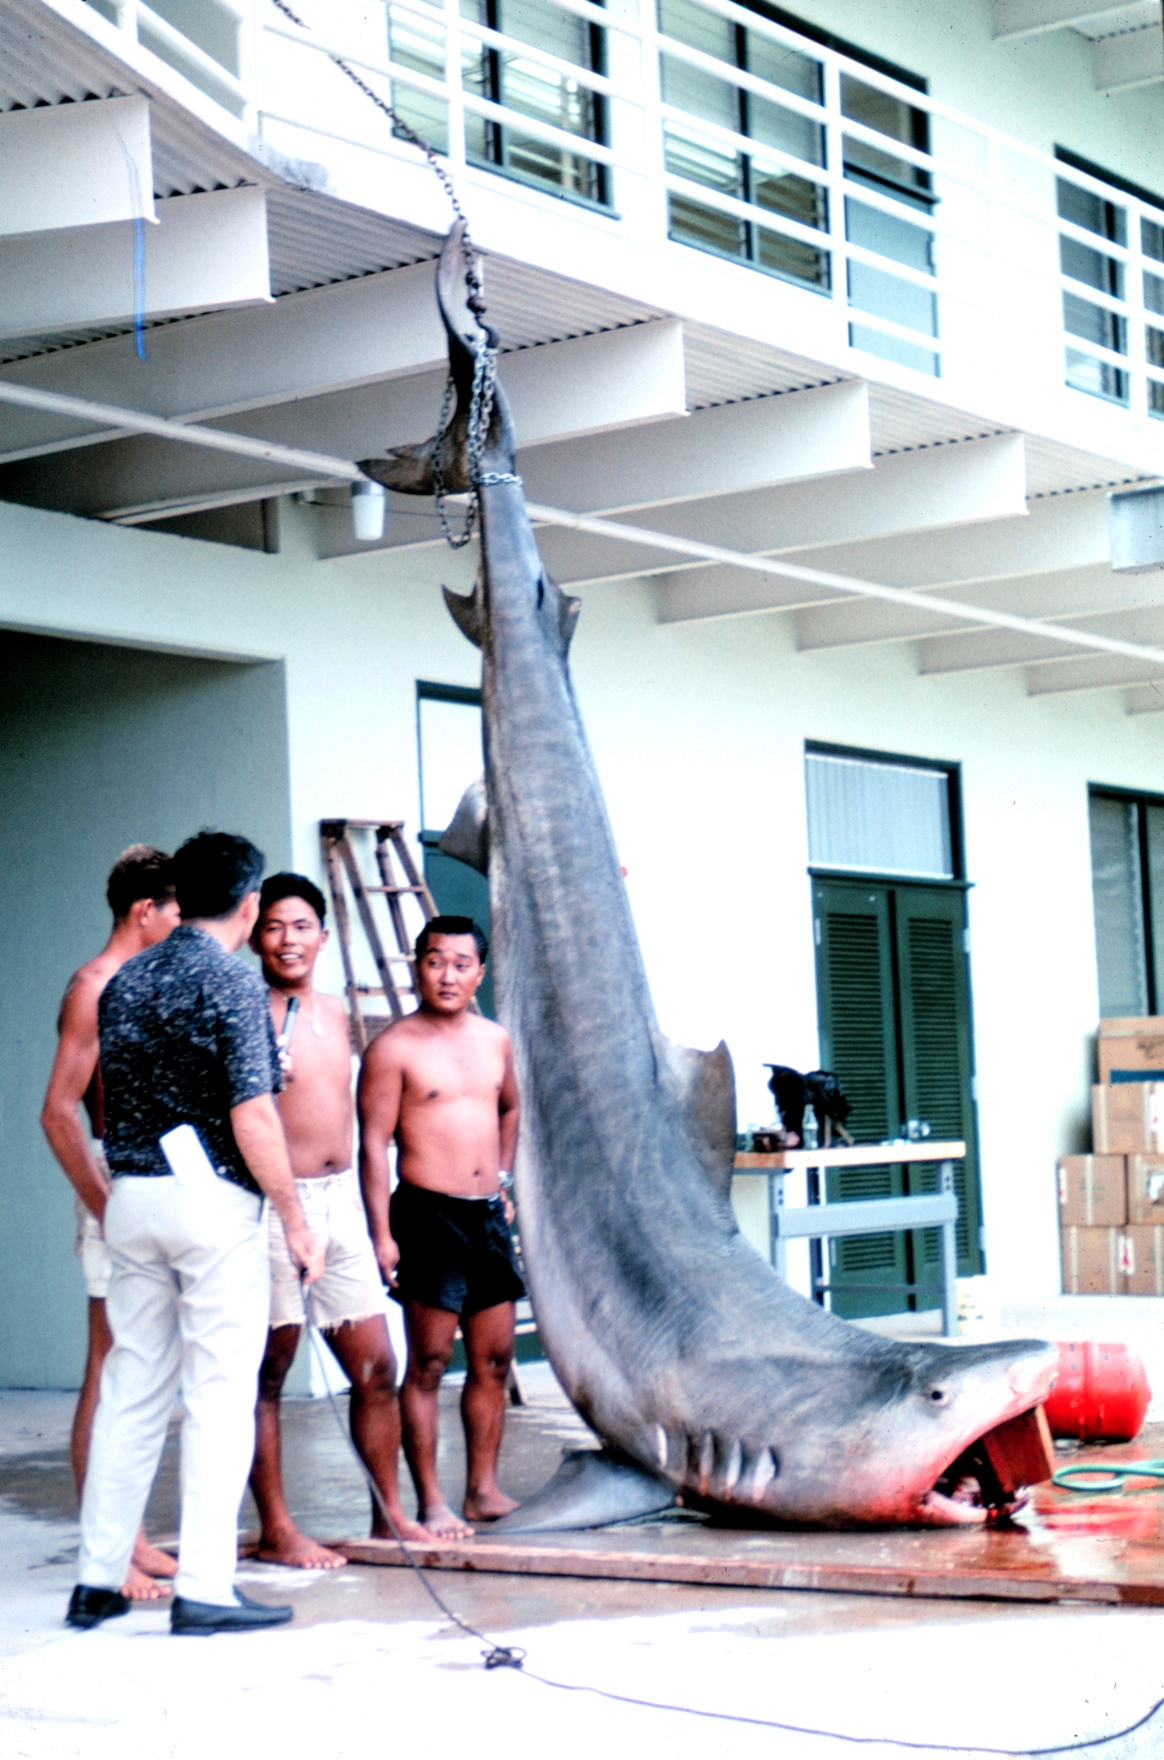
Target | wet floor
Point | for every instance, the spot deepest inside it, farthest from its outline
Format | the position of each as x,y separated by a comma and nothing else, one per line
369,1661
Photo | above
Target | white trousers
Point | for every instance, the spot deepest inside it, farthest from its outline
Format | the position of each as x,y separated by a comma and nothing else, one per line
187,1305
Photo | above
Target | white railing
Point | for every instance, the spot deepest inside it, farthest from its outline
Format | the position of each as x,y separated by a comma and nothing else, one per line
953,256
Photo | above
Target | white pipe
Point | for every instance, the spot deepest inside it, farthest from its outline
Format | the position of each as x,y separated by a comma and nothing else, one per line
106,415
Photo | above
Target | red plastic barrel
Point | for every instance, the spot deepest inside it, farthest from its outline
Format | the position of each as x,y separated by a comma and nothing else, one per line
1101,1392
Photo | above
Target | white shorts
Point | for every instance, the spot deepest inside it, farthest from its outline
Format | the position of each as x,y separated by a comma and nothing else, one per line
90,1248
351,1287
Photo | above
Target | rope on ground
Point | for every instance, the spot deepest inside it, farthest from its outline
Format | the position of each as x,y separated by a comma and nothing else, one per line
513,1656
1100,1480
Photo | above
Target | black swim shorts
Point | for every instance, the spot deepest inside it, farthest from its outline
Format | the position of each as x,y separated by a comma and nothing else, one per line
455,1253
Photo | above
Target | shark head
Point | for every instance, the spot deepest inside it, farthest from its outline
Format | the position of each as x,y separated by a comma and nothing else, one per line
892,1437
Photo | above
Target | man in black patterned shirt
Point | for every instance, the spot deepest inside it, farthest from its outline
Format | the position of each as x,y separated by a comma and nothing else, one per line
193,1143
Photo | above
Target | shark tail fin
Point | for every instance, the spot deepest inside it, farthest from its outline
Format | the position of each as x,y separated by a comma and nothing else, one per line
409,469
704,1086
467,838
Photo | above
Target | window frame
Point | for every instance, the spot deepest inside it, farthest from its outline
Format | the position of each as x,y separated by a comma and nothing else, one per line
1141,799
951,769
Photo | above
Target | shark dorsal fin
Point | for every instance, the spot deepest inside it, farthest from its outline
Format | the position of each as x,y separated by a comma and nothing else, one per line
467,838
468,613
704,1084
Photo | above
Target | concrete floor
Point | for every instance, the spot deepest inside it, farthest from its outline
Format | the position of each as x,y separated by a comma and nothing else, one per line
370,1663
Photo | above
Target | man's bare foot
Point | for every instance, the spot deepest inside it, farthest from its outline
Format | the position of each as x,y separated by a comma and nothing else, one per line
151,1561
442,1524
488,1506
404,1529
139,1587
299,1553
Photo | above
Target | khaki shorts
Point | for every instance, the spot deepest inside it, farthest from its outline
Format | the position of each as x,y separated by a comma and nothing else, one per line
89,1246
351,1287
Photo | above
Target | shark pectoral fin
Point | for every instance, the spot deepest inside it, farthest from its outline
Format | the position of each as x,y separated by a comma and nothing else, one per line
704,1084
591,1489
468,613
407,469
467,838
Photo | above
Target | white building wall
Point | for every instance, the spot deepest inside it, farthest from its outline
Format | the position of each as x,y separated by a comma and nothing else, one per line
698,731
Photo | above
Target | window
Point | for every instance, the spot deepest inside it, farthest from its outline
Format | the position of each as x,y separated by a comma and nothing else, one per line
878,291
533,89
879,815
750,146
746,174
1127,875
1090,267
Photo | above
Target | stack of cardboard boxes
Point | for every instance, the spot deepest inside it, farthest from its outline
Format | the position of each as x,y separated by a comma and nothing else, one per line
1111,1203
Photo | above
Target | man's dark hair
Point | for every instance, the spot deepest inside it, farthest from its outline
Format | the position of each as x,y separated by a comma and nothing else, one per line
451,926
277,886
141,871
213,873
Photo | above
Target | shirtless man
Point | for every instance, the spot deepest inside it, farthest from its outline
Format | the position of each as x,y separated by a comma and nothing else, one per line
348,1302
441,1083
141,896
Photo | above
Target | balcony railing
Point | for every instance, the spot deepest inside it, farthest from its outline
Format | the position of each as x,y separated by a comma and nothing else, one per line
918,233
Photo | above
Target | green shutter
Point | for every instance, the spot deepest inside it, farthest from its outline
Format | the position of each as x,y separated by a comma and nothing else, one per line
894,1005
855,985
936,1052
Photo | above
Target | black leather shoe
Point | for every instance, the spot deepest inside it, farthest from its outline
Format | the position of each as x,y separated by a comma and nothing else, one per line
89,1606
202,1618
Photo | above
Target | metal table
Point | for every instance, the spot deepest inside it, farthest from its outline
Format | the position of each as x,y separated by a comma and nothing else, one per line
819,1221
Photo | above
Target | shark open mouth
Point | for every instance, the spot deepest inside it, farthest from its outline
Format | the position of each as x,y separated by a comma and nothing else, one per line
992,1478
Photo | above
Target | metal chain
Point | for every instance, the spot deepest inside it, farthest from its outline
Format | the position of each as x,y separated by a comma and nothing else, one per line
485,353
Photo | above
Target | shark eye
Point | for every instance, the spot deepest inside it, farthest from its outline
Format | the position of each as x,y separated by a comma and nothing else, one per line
939,1395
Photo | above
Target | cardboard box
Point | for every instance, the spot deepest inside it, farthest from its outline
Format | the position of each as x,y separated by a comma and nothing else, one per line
1145,1182
1093,1192
1127,1118
1143,1256
1131,1049
1093,1261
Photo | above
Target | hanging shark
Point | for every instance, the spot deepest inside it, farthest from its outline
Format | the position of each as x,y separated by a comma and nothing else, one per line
701,1372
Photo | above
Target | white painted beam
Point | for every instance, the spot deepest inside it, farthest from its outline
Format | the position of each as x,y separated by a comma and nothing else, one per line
1029,18
206,251
378,331
633,375
1078,594
614,379
1131,59
979,481
988,650
728,450
1058,532
1146,699
355,333
708,454
1102,673
75,165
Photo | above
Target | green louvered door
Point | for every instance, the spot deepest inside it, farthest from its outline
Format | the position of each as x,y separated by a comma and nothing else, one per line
936,1058
893,1000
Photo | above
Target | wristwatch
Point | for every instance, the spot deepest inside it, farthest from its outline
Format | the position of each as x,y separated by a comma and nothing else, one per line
505,1181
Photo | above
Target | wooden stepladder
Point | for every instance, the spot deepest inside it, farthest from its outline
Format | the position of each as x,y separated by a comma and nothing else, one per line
398,880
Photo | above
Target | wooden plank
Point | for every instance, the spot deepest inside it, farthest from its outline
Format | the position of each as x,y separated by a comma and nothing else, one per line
734,1569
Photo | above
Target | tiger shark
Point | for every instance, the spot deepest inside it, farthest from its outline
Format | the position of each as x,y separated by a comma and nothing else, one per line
701,1372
